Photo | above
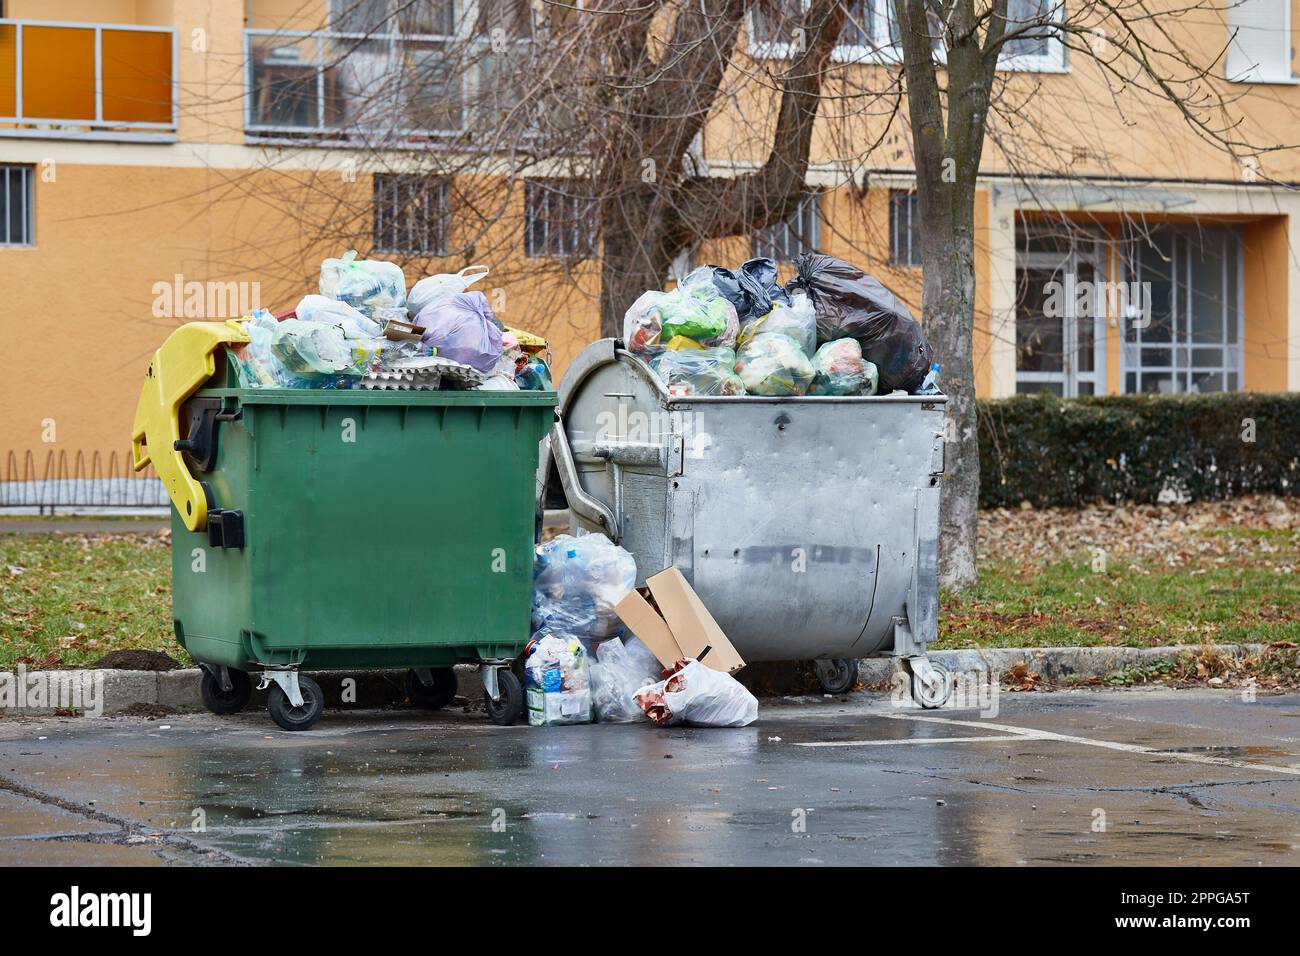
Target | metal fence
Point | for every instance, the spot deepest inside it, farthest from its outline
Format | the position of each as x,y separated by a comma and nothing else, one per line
77,480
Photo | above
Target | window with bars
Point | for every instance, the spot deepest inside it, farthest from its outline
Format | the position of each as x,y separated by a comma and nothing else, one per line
787,241
904,250
17,197
412,214
560,219
1183,327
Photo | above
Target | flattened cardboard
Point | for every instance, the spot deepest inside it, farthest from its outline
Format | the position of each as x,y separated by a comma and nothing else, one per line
683,627
642,619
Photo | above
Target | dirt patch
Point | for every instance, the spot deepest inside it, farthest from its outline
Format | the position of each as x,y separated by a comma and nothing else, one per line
137,660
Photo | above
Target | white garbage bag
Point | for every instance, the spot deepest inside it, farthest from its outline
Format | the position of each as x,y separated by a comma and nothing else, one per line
700,696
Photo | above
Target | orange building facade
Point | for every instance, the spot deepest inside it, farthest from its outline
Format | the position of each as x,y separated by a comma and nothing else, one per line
147,148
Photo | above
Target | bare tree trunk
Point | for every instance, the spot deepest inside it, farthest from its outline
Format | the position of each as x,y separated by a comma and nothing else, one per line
628,267
948,298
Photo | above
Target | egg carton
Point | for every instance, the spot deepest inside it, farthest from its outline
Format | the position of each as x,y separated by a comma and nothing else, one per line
427,373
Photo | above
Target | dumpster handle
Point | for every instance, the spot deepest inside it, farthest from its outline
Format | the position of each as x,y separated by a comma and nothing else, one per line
583,504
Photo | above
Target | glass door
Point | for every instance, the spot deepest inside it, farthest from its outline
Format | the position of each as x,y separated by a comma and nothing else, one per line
1061,296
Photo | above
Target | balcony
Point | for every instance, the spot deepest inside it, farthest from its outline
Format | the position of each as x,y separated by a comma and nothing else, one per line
87,81
384,90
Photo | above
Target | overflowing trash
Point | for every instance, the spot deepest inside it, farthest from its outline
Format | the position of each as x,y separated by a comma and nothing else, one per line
622,667
699,371
363,330
687,335
851,304
578,582
695,694
774,364
839,369
558,686
602,651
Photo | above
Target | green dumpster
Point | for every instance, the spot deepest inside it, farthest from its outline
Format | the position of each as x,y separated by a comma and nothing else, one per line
353,529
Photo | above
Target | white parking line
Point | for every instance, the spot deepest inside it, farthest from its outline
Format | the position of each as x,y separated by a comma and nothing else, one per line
1005,738
1032,734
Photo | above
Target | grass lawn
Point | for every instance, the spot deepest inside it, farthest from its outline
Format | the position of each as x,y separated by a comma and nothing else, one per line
67,599
1216,572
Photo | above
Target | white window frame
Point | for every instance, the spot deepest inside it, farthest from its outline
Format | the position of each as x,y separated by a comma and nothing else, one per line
1086,249
907,199
1245,35
1055,60
27,186
1182,350
884,50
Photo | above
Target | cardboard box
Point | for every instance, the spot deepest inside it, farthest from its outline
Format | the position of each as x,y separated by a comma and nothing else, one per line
681,627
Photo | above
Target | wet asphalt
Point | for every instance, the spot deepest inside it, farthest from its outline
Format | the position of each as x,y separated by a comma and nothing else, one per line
1082,777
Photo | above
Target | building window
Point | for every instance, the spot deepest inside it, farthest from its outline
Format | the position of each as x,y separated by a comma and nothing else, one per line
904,249
1036,45
412,214
1183,325
561,219
17,199
1259,41
787,241
871,33
382,17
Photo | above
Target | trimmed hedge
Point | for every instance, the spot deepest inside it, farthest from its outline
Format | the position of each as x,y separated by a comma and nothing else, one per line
1131,448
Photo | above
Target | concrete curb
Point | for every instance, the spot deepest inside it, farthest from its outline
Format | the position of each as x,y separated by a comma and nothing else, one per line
124,691
1056,663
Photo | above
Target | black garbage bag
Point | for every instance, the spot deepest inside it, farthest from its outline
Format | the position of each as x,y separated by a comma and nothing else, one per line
851,304
753,290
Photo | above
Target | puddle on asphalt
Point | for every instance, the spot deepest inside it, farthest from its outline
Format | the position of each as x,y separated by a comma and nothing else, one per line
1220,750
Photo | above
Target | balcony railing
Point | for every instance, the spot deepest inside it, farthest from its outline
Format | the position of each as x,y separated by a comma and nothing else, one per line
87,80
371,88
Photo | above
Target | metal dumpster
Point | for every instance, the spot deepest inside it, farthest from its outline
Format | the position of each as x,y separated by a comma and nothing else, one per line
344,529
808,526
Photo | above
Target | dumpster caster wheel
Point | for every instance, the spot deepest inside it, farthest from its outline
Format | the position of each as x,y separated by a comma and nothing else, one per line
290,717
931,685
505,710
836,676
221,701
435,695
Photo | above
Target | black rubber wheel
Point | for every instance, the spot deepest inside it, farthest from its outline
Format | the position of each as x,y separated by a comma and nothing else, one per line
290,717
836,676
507,708
433,696
226,701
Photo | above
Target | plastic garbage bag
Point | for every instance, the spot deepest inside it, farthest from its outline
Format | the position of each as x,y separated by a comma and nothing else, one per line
773,364
619,671
694,310
364,284
320,308
840,369
461,327
797,320
700,696
534,376
558,685
298,354
753,290
434,287
701,371
851,304
577,581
